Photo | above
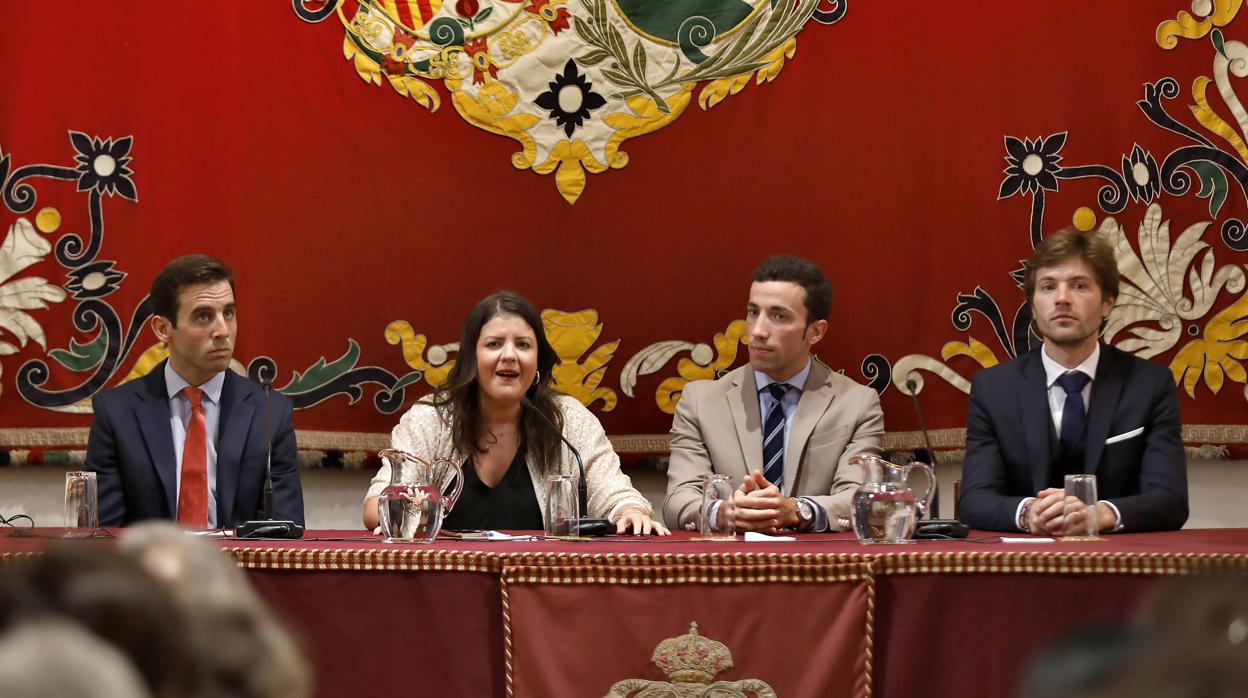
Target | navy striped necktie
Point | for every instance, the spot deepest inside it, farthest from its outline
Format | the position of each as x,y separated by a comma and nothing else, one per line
773,436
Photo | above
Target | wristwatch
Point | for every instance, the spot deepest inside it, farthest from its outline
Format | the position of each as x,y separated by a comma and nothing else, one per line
805,515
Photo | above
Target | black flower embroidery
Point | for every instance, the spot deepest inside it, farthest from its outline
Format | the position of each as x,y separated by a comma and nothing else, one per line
94,280
1032,164
102,165
569,98
1142,175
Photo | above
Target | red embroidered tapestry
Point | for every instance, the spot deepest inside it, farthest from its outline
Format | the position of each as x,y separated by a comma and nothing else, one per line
372,168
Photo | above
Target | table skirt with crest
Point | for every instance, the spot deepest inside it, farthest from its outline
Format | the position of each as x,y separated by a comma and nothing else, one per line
821,616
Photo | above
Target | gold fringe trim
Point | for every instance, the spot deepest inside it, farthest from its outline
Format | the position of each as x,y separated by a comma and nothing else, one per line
868,650
509,679
645,569
403,558
1062,563
630,574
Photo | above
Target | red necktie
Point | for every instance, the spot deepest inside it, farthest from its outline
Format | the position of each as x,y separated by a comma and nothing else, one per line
193,492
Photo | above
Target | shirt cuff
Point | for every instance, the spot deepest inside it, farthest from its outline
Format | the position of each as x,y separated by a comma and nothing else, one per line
1117,515
714,514
1018,513
821,516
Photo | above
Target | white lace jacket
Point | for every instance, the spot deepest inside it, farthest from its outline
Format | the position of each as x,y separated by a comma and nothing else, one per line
423,433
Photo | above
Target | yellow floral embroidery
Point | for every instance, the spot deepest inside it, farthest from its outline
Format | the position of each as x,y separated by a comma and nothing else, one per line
1188,27
365,67
648,119
976,350
703,363
716,90
147,361
1210,119
571,158
418,90
483,112
1217,355
571,335
435,365
908,368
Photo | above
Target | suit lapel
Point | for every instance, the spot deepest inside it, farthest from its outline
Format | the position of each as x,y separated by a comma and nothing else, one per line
1037,419
233,426
1106,391
154,417
816,396
743,403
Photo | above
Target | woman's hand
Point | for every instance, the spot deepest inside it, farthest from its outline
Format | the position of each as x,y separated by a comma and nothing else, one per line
372,518
637,519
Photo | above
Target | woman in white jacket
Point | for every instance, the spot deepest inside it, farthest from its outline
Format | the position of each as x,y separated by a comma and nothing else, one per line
508,453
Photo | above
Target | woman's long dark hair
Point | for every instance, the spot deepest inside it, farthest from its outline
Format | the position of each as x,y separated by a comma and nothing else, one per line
460,400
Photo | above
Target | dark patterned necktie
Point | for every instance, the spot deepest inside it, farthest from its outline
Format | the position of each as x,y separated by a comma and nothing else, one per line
773,436
1073,410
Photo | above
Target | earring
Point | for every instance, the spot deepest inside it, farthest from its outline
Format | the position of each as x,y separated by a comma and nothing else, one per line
537,378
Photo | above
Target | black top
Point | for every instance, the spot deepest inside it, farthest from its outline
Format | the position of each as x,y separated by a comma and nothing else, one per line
511,505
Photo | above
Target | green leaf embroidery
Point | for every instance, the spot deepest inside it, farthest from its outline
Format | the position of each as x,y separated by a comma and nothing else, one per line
81,357
320,373
1213,185
593,57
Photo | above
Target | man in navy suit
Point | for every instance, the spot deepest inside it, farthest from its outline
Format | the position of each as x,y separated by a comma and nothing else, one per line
1073,406
188,440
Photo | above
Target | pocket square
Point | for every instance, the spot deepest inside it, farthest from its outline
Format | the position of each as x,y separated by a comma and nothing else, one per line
1124,436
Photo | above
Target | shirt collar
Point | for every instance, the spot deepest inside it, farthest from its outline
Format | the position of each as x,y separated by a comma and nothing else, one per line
174,384
1054,370
762,380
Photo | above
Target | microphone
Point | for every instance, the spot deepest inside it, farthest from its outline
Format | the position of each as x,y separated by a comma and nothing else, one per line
267,497
585,527
268,528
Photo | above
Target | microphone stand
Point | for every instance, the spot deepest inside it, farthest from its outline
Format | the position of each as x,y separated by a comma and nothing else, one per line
934,526
268,528
928,453
584,526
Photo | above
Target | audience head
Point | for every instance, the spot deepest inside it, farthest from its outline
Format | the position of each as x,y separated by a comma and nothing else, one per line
108,595
240,648
1081,661
1190,640
174,604
54,658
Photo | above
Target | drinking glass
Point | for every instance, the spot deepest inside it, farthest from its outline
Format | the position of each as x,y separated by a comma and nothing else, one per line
562,510
82,504
715,488
1079,508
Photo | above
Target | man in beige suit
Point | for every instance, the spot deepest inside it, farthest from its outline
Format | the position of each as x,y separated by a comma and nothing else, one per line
784,426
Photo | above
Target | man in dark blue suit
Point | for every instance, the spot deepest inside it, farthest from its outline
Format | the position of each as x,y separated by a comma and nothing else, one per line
1073,406
188,440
